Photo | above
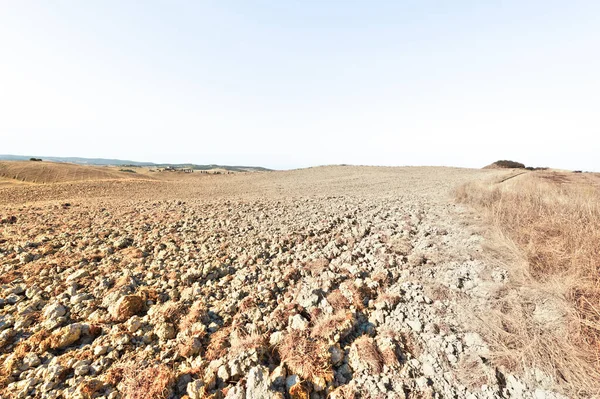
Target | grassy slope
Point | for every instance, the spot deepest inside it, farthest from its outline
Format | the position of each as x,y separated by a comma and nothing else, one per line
551,318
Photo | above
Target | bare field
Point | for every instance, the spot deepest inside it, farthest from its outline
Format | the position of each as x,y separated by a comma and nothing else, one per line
56,172
329,282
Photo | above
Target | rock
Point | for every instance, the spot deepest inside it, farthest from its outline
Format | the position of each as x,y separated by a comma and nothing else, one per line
257,386
13,299
291,380
54,311
422,382
165,331
31,360
223,373
474,342
77,275
133,324
6,321
337,354
278,376
428,369
101,350
123,242
78,298
237,392
82,367
297,322
64,337
276,338
196,389
415,325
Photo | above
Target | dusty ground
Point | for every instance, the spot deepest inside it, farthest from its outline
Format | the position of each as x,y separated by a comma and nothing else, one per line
323,282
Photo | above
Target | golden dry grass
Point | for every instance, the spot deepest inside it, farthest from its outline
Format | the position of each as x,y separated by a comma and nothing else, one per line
306,356
333,327
369,353
243,342
219,344
150,382
550,316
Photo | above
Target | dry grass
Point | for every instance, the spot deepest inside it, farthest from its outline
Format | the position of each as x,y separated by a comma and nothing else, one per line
196,313
218,344
472,373
306,356
369,353
243,342
551,315
333,327
337,300
316,267
151,382
171,311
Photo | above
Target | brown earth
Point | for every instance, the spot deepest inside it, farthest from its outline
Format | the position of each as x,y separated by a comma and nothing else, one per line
323,282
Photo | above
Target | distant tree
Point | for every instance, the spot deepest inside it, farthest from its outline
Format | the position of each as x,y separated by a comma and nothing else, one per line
36,159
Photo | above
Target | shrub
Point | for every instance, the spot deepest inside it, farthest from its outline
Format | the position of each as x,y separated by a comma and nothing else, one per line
509,164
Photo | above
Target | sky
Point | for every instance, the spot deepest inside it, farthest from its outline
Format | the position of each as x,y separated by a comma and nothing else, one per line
289,83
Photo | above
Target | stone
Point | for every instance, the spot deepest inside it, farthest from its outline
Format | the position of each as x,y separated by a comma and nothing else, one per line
278,376
134,323
64,336
297,322
77,275
196,389
415,325
223,373
101,350
291,380
276,338
257,385
31,360
165,331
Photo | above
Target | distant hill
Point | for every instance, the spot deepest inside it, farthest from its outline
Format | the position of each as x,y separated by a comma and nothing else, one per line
59,172
120,162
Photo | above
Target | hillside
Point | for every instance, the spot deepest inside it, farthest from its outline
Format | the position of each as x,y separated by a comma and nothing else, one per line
120,162
53,172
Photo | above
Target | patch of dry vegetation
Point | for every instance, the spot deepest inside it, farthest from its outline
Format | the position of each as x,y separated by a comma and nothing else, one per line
334,327
218,344
552,221
244,342
369,353
150,382
306,356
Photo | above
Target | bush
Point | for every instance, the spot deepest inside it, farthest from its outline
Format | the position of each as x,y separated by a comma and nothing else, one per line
509,164
127,170
36,159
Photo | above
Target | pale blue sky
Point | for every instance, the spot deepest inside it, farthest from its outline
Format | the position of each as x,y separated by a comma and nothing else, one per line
288,84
